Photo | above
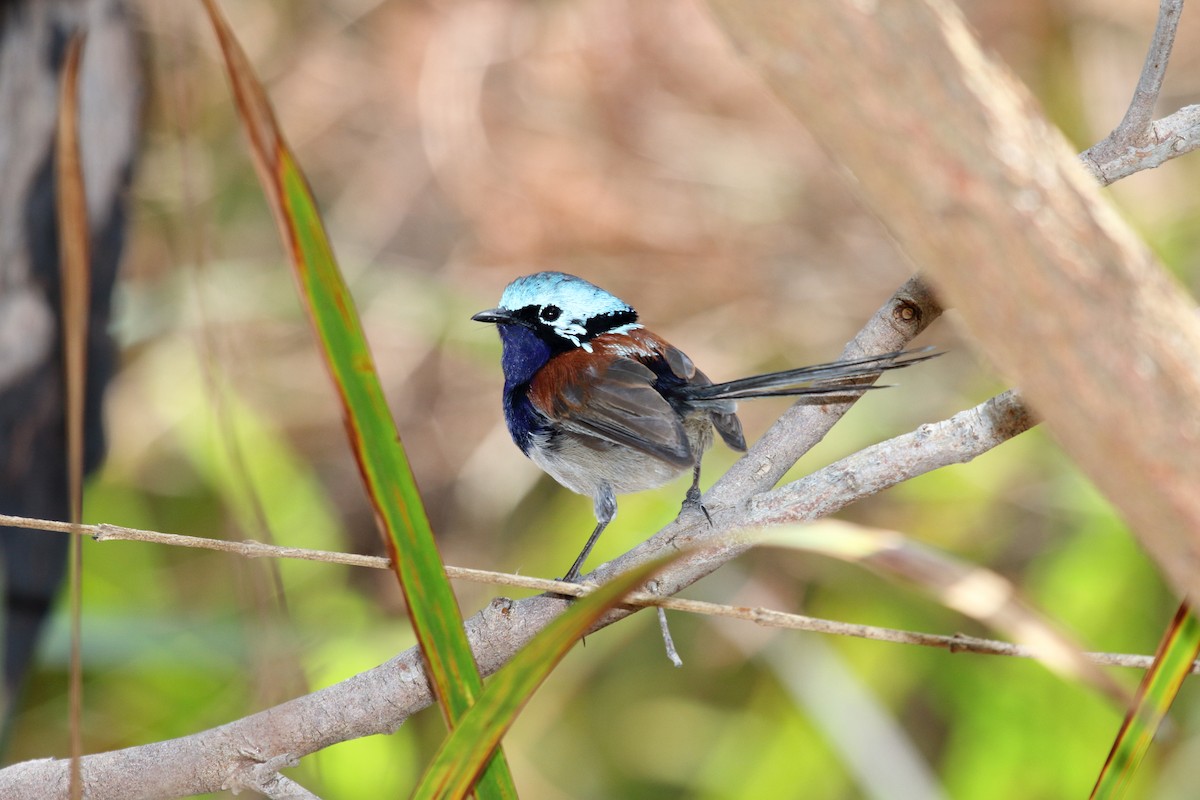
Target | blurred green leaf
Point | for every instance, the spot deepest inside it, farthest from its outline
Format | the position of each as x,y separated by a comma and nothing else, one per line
469,745
1160,685
374,439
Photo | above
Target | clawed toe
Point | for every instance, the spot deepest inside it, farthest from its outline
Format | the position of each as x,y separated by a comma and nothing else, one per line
691,501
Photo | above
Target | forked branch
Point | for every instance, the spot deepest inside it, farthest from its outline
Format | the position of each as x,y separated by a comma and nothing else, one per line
1140,142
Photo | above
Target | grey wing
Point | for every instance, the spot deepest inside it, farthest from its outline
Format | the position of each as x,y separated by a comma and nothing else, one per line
721,412
622,406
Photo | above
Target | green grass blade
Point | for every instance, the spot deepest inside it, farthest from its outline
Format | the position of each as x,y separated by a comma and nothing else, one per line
374,439
76,278
458,760
1173,662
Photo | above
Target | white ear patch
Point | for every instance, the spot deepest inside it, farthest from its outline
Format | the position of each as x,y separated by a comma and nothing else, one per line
573,330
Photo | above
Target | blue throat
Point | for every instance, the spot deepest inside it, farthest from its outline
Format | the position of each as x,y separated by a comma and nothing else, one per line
524,354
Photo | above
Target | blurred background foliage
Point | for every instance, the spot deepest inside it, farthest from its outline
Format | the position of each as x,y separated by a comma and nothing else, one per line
454,146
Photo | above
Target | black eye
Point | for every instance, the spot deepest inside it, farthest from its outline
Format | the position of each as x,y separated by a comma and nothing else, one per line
550,313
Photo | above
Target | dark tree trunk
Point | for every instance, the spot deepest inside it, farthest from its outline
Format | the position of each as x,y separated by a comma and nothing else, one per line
33,37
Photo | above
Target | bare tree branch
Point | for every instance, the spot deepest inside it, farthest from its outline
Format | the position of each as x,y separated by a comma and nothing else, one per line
1167,138
910,310
1145,96
939,444
1138,142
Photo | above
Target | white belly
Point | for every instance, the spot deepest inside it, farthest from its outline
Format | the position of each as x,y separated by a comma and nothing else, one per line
587,468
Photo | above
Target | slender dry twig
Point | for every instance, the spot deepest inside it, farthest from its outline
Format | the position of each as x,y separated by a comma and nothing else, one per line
765,617
1145,95
668,640
761,616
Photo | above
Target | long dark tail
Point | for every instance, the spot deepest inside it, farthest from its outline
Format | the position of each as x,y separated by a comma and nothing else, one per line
835,378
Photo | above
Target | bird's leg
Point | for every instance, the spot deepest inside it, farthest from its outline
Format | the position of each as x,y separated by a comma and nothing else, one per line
605,506
572,575
692,498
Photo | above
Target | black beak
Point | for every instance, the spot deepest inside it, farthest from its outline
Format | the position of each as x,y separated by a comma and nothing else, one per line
496,316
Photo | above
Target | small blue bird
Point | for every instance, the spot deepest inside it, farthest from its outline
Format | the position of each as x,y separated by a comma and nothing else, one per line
607,407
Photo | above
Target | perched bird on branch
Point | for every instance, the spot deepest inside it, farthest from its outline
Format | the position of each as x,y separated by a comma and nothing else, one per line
607,407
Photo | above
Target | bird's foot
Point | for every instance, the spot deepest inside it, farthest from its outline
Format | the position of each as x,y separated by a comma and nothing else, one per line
572,576
691,502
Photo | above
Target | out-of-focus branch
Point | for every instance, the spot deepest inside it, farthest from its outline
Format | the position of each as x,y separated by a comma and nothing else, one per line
955,158
32,433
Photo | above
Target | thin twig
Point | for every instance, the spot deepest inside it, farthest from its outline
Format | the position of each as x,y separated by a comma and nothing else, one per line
1141,107
668,640
766,617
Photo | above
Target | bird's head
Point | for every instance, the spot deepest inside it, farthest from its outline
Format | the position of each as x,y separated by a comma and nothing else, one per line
561,310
